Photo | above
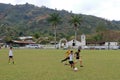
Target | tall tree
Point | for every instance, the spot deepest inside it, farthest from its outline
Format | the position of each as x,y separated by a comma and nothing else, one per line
54,19
75,21
97,38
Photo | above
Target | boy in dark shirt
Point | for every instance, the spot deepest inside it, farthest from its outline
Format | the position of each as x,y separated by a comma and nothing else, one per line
78,57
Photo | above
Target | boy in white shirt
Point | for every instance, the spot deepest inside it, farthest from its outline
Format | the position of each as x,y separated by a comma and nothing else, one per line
71,60
11,56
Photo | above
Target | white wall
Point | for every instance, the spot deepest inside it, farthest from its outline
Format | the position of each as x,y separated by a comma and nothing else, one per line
111,43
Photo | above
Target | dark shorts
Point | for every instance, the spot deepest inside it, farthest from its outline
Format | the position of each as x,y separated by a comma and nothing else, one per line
10,56
77,58
71,62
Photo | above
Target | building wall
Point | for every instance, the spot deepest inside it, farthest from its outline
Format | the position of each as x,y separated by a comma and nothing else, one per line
111,43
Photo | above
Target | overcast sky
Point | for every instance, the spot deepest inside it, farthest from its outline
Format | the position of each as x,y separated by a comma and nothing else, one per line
108,9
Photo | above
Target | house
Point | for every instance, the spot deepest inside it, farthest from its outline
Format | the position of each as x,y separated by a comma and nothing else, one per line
22,42
26,38
77,43
73,42
111,43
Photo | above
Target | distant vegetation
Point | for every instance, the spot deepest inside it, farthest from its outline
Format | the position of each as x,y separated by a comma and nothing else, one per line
27,19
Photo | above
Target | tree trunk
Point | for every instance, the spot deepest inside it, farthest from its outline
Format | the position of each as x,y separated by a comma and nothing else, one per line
75,34
55,37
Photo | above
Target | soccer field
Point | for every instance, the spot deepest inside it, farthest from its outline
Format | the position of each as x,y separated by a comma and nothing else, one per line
43,64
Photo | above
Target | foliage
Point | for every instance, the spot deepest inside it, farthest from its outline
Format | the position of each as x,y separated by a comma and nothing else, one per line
75,20
36,35
101,27
54,19
27,19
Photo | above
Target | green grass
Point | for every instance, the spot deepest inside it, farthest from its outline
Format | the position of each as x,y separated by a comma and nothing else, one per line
41,64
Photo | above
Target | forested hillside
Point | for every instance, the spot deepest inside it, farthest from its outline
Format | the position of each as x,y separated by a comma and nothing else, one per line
27,19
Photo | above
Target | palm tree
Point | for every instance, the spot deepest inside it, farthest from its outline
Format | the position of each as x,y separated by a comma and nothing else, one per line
76,21
54,19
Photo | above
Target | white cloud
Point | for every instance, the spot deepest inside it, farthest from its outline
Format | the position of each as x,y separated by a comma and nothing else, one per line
35,2
8,1
63,4
108,9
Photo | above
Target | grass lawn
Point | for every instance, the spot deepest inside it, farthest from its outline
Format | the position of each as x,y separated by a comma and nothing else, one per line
42,64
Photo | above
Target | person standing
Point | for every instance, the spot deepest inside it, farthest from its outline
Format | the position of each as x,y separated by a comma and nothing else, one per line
11,56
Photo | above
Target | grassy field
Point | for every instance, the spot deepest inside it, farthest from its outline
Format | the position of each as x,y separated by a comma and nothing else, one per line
41,64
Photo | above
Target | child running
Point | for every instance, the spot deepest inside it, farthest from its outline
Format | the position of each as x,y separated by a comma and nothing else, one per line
78,57
66,56
71,60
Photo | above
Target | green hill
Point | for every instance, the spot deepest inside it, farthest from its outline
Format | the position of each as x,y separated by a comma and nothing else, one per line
27,19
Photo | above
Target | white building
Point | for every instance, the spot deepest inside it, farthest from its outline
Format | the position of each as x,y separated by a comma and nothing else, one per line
111,43
83,40
73,43
76,43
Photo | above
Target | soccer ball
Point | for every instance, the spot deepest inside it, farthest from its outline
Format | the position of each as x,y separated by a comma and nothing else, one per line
75,69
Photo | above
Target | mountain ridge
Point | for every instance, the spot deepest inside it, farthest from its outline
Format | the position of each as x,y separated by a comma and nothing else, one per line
28,19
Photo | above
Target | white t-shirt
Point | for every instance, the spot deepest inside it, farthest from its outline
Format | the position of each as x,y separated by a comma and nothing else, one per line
71,57
10,53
